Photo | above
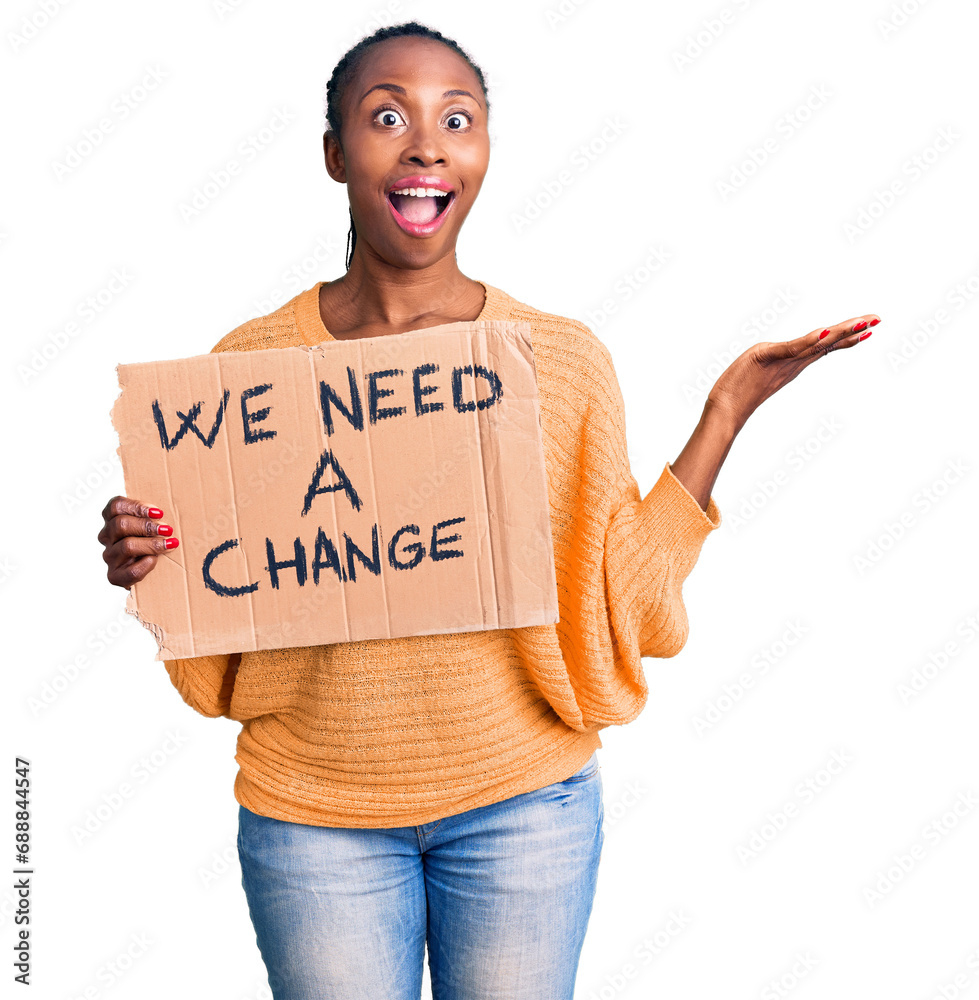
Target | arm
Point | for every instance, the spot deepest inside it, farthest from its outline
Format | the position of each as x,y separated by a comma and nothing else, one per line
132,541
206,683
651,542
703,455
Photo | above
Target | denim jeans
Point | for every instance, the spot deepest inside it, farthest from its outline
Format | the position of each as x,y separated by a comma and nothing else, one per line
501,894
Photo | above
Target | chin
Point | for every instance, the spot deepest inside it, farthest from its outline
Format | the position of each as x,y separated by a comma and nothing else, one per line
424,253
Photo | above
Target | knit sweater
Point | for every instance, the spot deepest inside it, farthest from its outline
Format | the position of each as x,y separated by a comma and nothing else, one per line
405,731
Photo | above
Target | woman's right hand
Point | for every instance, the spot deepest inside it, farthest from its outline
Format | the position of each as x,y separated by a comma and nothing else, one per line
132,540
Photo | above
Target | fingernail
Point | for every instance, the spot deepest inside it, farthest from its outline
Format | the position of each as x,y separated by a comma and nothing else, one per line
823,334
164,529
873,322
171,543
155,512
865,336
862,325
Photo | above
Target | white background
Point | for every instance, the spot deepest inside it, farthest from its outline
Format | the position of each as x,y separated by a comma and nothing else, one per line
862,439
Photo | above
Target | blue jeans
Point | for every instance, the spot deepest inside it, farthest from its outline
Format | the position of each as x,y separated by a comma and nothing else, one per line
501,894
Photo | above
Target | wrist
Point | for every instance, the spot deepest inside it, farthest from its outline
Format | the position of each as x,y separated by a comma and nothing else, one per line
723,417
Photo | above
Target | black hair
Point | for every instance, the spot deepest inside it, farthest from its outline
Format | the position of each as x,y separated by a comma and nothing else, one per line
347,66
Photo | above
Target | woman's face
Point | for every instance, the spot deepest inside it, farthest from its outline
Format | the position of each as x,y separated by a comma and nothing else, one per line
414,117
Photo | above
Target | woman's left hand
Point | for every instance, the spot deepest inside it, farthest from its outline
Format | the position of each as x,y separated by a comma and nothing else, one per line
765,367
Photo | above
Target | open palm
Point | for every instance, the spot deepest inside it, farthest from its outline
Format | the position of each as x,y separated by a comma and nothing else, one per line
765,367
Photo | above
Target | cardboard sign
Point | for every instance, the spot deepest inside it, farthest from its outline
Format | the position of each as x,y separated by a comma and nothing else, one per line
361,489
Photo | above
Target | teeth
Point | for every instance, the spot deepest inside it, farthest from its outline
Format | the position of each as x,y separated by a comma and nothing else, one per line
421,192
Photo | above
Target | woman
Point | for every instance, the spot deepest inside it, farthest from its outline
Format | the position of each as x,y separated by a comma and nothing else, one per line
445,789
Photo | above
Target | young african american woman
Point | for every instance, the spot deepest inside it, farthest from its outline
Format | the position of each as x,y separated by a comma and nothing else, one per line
494,863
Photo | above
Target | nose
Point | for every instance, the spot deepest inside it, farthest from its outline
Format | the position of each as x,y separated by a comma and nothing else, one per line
424,146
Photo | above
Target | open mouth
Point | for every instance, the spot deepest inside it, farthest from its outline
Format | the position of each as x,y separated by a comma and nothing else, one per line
420,206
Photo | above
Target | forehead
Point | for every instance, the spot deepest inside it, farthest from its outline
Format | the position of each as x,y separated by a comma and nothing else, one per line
412,62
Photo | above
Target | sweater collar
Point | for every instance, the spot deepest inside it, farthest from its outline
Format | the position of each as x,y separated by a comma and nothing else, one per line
313,331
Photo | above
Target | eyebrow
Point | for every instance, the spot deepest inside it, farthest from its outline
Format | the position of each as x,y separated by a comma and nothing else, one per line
400,90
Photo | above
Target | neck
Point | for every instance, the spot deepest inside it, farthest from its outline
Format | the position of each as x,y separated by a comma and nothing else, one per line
376,293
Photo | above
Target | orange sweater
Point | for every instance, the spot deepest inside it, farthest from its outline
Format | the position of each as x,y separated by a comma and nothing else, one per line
405,731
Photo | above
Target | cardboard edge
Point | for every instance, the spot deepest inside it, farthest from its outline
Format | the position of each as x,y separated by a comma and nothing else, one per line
163,651
113,413
131,607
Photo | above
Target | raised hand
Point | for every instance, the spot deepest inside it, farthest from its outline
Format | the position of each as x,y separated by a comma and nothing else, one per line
765,367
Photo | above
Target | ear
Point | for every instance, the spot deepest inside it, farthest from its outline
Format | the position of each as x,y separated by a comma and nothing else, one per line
333,155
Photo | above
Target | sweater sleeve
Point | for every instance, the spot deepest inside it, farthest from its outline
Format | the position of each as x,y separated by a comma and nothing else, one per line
651,543
651,546
206,683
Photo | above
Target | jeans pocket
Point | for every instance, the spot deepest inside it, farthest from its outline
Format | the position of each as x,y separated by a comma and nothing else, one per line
588,770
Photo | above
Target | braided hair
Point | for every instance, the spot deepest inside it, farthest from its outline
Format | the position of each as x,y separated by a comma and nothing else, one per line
347,66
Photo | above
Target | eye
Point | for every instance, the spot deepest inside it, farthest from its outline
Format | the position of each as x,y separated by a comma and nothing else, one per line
389,117
459,116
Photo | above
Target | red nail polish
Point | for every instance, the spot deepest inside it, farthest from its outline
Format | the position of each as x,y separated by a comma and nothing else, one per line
865,336
823,334
172,543
164,529
873,322
155,512
862,325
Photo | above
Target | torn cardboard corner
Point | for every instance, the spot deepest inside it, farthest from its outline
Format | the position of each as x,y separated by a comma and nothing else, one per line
363,489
